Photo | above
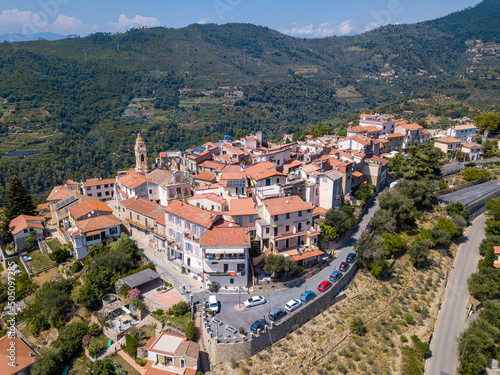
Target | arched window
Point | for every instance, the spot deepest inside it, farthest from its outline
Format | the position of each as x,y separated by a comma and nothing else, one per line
142,157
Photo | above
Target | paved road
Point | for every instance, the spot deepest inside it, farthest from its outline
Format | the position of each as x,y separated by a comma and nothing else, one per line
229,313
451,320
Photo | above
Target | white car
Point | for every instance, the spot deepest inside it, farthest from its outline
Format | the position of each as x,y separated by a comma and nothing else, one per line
293,305
254,301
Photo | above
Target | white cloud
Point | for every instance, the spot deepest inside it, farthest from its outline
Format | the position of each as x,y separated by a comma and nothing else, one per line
27,22
203,21
325,29
371,26
68,23
138,21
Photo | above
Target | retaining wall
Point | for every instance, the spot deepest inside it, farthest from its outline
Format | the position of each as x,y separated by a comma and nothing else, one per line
225,348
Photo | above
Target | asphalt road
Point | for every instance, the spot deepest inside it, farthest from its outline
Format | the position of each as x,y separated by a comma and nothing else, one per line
231,315
452,316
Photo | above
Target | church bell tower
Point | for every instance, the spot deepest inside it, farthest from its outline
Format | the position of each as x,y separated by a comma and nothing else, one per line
141,155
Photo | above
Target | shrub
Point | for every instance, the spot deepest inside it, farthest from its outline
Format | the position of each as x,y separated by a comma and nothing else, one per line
141,362
409,318
403,338
234,364
97,346
77,266
241,330
180,309
357,325
191,331
131,344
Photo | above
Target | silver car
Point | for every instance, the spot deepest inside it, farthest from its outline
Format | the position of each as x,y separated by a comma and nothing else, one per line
254,301
293,305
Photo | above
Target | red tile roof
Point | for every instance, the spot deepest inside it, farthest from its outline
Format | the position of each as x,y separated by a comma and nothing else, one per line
97,223
233,149
394,135
356,129
96,181
357,174
86,207
133,180
193,214
59,193
411,126
292,163
210,196
26,221
266,174
230,236
24,356
205,176
259,167
447,140
243,206
141,205
283,205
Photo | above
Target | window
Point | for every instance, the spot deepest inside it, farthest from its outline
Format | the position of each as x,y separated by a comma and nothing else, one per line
287,216
105,186
150,191
189,247
88,188
299,227
276,217
107,193
179,191
112,185
250,218
137,217
267,230
198,204
171,218
88,238
25,231
231,281
186,224
287,228
113,230
98,186
197,251
300,213
177,237
97,236
277,179
212,206
99,194
275,231
90,195
145,221
308,222
178,220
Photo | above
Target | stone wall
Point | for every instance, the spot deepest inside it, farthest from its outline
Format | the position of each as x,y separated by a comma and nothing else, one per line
223,349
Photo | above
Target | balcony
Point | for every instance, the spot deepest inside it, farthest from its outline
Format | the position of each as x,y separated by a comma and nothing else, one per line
191,237
225,256
227,273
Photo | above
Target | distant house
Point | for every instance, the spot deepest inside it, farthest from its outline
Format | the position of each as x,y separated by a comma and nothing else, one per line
330,189
473,151
22,226
466,133
170,354
24,357
104,190
496,262
145,281
448,144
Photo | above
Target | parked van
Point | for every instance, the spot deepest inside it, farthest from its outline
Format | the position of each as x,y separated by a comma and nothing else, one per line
213,304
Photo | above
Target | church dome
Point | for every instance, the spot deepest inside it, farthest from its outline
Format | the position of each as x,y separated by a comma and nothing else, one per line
139,138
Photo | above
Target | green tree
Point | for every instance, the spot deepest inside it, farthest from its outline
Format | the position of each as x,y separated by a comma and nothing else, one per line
59,255
17,200
364,192
131,344
447,226
341,220
97,283
53,300
4,224
69,340
31,241
442,185
475,173
327,232
358,326
254,248
393,243
484,284
378,267
48,363
419,252
190,331
423,162
102,367
488,121
280,266
457,209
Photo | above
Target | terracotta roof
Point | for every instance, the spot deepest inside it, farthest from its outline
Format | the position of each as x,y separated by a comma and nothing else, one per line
97,223
292,163
210,187
59,193
395,135
191,213
133,180
159,217
205,176
210,196
371,129
210,145
141,205
411,126
425,131
86,207
243,206
225,236
163,154
447,139
26,221
188,349
228,159
400,123
464,127
283,205
233,149
197,156
309,168
24,356
259,167
496,250
357,174
358,154
161,176
472,145
357,129
374,158
266,174
211,164
96,181
42,206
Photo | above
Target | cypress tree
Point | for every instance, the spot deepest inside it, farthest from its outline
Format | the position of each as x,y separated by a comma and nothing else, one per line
17,200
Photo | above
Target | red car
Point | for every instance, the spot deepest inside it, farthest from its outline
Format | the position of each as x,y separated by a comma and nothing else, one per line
324,286
369,228
343,266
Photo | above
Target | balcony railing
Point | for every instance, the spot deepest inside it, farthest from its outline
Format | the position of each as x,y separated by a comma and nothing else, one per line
228,273
224,256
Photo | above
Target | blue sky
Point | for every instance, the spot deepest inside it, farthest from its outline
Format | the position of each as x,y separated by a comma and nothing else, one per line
307,19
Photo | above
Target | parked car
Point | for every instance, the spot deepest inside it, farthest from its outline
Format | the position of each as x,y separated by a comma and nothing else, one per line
335,276
254,301
293,304
258,324
307,296
344,266
351,257
369,228
213,304
324,286
27,259
276,314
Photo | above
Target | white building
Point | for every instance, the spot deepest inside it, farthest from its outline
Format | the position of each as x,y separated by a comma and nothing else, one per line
466,133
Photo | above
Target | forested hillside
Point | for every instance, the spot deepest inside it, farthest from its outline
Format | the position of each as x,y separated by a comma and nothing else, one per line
66,99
